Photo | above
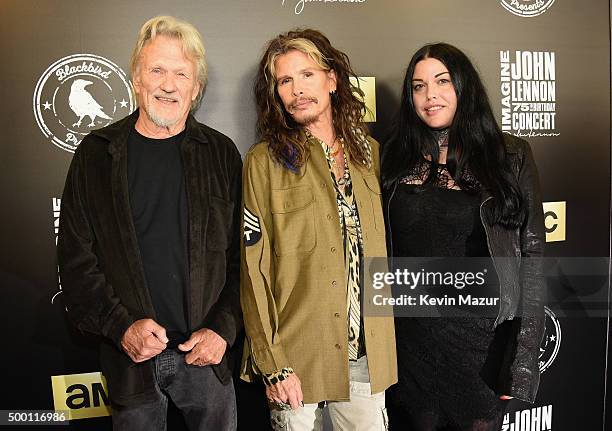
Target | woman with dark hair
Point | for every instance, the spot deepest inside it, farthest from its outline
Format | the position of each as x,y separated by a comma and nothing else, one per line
456,186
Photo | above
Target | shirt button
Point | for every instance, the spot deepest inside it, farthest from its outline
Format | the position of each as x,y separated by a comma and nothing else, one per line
333,249
323,185
334,283
329,217
338,346
336,314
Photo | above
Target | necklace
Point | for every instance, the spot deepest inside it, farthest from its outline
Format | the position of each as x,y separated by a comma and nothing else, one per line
441,137
335,149
331,153
344,179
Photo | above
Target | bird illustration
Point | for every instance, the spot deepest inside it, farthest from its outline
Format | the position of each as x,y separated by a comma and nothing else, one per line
83,104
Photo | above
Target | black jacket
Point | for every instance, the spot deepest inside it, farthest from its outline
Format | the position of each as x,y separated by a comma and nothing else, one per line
100,267
517,259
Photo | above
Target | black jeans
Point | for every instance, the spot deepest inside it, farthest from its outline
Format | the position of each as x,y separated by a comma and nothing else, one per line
205,403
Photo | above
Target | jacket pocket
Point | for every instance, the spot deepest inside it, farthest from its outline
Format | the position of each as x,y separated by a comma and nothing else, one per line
373,186
219,226
293,218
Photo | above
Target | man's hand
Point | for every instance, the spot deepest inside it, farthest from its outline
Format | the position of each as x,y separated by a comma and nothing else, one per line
144,339
289,391
505,397
207,348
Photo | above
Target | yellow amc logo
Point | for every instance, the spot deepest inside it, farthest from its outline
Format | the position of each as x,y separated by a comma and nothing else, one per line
81,395
554,221
368,86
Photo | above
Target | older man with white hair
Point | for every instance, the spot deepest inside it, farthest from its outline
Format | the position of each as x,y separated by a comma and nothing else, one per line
149,245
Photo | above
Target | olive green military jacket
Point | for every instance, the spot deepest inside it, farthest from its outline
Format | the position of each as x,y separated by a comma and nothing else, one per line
293,280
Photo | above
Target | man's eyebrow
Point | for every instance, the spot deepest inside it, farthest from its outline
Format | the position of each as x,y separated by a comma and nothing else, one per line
306,69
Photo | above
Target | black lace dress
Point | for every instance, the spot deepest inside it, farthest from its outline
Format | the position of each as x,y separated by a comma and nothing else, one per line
441,360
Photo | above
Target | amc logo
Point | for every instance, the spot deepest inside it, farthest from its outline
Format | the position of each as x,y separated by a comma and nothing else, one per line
554,221
81,395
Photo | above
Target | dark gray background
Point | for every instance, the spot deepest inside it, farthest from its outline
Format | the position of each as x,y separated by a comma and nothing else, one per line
379,36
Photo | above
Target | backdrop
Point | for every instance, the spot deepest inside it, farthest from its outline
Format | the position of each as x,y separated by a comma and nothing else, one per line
546,65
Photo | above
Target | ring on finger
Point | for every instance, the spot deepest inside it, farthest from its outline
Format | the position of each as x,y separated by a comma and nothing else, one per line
281,405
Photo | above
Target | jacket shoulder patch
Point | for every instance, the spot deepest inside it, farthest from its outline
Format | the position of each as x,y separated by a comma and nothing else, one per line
252,229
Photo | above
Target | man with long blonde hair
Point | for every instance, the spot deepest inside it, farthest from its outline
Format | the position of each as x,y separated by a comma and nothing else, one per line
149,243
312,212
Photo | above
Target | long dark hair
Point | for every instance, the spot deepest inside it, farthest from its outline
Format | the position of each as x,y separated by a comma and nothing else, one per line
280,130
475,141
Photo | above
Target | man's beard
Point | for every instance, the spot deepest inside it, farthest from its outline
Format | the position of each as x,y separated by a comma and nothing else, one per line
158,119
308,119
305,121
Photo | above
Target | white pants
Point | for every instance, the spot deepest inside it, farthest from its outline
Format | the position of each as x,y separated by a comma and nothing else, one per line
363,412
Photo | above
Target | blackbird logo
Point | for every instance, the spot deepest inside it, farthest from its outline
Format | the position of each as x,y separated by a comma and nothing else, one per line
83,104
80,93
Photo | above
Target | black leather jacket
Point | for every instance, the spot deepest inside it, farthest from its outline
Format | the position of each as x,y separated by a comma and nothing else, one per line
522,286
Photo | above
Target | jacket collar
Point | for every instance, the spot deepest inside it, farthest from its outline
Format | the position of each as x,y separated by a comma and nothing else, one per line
309,143
118,132
510,142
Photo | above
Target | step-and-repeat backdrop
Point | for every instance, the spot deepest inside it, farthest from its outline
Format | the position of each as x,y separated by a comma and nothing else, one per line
546,65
